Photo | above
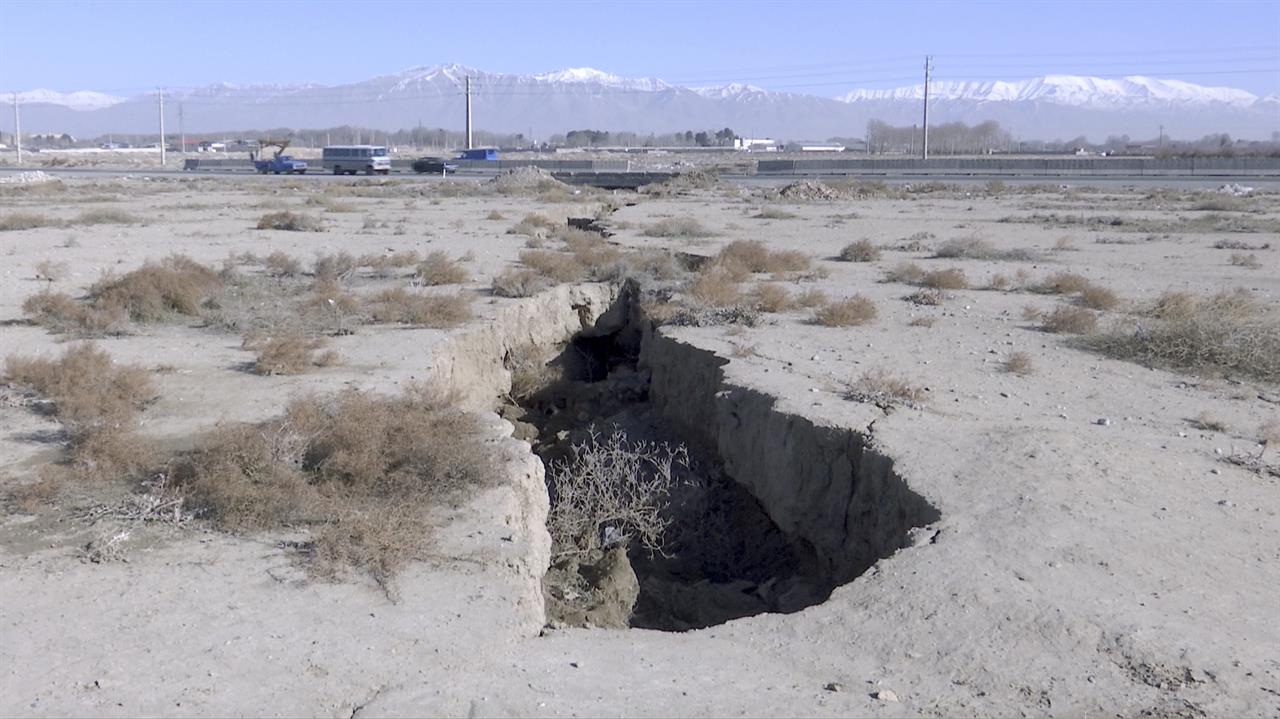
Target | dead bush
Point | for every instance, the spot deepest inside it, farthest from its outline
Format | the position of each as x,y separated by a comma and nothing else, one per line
811,298
863,250
927,298
1249,261
95,400
769,297
884,390
494,215
948,279
439,269
1230,332
774,213
998,282
106,216
50,271
752,256
59,312
612,492
519,283
1209,423
1070,320
906,272
850,312
29,498
156,291
1019,363
1062,283
715,286
26,221
424,310
1099,298
973,248
286,353
365,471
281,264
337,266
677,227
534,225
558,267
290,221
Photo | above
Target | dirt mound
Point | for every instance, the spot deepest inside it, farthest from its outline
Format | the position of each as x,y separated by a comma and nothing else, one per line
525,179
809,190
684,182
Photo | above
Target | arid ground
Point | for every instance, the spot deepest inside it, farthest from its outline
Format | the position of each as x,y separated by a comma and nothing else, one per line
1017,448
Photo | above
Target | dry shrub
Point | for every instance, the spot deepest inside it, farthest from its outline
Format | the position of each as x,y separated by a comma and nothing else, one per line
998,282
106,216
611,491
1099,298
1209,423
534,225
530,371
439,269
752,256
811,298
685,227
330,204
385,264
287,353
927,298
769,297
366,471
50,271
494,215
556,266
1070,320
26,221
337,266
1062,283
290,221
906,272
519,283
974,248
95,400
884,390
850,312
715,286
59,312
29,498
1249,261
863,250
1230,332
599,259
774,213
156,291
425,310
281,264
948,279
1019,363
1269,434
923,322
1063,244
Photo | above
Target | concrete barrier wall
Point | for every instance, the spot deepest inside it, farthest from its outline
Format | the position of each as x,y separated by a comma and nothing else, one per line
1028,166
231,163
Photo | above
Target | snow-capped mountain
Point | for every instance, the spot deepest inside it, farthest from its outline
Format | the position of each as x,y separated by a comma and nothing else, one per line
1071,90
82,100
1053,106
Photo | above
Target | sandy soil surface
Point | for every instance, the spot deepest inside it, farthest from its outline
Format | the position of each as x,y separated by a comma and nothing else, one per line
1094,553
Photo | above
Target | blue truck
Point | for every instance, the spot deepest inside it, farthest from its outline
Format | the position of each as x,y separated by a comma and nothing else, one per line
281,164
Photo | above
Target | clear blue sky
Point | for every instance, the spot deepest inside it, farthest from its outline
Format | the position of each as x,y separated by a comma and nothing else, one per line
822,48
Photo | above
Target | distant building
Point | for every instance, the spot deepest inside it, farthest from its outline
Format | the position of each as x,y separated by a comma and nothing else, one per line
755,144
819,147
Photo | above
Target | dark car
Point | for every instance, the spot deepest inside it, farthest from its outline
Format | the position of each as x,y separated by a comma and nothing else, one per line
434,165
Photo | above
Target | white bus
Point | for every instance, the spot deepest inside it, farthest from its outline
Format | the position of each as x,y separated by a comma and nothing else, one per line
350,159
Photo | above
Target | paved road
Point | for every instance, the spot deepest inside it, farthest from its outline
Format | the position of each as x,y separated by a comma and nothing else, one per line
1181,182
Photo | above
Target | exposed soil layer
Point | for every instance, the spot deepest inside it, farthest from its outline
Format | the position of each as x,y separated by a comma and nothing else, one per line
725,555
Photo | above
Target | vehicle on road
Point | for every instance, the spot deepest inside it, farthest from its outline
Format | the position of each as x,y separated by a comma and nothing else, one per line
350,159
434,165
281,164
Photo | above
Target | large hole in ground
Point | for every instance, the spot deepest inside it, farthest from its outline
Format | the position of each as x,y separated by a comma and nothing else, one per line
836,507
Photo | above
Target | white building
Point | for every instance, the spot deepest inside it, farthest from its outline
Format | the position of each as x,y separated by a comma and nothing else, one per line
755,144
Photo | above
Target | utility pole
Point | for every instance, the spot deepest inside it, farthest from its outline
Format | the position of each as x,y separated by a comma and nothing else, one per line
1162,137
182,131
468,112
928,68
17,128
160,96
